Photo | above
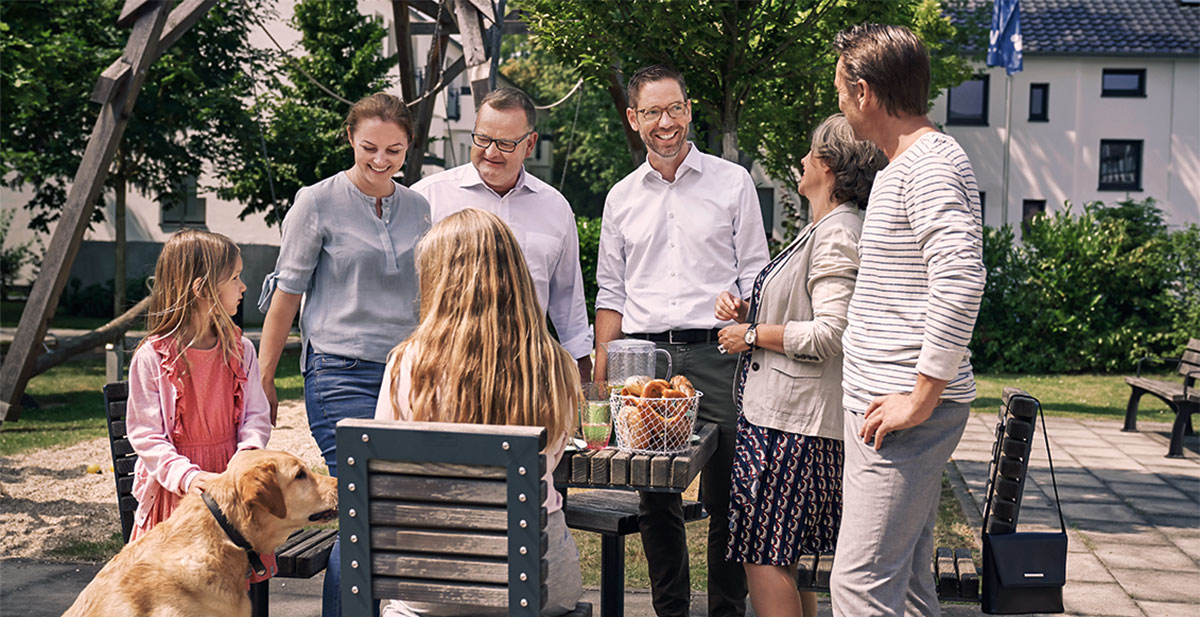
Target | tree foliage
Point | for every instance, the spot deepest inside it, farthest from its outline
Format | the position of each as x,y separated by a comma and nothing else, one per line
760,74
298,137
190,110
1088,292
587,135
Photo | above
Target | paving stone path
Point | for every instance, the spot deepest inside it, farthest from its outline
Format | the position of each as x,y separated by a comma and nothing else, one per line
1133,515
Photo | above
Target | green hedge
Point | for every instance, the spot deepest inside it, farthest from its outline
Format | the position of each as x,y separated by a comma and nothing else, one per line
589,249
1088,292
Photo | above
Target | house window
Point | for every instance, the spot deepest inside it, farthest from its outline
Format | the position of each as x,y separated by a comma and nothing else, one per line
766,203
1123,82
1120,164
188,212
453,104
967,104
1031,208
1039,102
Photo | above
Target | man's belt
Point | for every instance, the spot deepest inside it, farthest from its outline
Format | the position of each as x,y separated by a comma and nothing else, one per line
680,337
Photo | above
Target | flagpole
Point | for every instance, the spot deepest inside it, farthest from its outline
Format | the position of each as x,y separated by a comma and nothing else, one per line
1007,140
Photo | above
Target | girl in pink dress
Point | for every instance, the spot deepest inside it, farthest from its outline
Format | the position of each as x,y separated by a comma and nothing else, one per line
195,395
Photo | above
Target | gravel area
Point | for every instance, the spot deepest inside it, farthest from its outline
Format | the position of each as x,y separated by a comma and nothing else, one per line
47,498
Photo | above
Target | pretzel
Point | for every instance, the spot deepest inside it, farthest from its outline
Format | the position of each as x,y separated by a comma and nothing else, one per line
683,384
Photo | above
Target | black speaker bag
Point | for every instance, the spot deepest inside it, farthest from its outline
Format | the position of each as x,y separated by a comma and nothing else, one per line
1023,572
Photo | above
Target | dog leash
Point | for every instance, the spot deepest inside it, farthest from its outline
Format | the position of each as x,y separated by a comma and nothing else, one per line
256,562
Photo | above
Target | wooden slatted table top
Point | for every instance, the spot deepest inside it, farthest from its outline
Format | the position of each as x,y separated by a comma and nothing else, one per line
612,468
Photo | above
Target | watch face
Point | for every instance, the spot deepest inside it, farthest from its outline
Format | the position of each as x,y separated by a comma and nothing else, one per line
751,336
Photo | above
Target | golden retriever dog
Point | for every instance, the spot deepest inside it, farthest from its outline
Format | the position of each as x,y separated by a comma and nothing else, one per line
187,566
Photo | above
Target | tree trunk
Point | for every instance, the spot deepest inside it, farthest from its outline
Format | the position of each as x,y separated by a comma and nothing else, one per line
633,141
729,136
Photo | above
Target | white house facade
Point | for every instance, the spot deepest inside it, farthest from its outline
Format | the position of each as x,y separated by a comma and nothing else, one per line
1105,109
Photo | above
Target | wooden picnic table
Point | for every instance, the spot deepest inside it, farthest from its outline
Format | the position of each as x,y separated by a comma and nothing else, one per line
614,515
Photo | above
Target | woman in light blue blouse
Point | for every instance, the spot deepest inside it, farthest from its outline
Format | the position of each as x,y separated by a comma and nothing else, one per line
347,251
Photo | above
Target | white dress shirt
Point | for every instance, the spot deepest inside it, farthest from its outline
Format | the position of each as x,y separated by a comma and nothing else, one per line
667,249
544,225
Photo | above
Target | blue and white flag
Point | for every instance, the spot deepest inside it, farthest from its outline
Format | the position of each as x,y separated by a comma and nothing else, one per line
1004,44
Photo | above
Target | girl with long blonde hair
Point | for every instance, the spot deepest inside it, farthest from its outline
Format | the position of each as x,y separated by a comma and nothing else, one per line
195,395
482,354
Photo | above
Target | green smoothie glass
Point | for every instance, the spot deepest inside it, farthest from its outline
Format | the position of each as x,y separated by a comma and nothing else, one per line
595,415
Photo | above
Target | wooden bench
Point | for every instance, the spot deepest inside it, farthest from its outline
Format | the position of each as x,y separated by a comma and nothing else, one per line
1182,398
449,516
303,555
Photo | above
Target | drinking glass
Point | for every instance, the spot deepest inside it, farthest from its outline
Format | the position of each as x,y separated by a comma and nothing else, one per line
595,415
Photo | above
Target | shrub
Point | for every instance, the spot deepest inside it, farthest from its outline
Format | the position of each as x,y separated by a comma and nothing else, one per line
1092,292
14,258
589,250
96,300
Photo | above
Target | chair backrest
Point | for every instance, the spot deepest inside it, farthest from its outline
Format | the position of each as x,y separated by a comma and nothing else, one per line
123,456
447,516
1189,365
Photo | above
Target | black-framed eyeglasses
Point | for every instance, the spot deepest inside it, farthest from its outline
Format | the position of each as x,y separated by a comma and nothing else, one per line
504,145
674,110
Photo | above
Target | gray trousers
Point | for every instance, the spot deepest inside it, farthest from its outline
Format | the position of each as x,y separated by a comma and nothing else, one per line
883,562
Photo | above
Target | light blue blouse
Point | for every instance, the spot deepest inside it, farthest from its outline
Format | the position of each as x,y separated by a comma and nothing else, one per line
356,271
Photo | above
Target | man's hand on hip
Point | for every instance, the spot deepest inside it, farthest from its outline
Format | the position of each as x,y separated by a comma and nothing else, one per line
895,412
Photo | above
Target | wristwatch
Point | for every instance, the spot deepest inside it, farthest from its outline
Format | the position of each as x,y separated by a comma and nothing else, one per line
751,336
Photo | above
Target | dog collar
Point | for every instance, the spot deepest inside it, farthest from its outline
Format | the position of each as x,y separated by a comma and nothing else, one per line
256,562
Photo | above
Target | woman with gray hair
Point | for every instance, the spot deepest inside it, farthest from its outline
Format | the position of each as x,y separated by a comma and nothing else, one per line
786,499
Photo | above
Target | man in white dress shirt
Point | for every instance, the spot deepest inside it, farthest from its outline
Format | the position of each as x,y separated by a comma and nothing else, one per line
682,228
540,217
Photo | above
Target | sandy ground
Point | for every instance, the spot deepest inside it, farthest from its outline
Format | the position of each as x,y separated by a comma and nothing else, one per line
47,499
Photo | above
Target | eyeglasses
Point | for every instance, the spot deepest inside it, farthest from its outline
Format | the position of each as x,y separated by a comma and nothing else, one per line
675,110
504,145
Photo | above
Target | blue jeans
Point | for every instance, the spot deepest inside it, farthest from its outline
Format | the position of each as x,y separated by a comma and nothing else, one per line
336,387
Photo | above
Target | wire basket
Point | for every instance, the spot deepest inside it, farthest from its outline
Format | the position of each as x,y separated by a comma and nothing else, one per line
654,425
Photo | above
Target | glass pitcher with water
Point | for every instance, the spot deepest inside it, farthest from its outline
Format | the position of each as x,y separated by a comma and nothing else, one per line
630,357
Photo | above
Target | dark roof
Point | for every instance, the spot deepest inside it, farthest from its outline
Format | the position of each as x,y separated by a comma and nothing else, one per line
1107,27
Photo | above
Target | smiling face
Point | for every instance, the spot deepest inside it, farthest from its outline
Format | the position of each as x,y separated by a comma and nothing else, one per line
500,170
667,136
379,149
229,290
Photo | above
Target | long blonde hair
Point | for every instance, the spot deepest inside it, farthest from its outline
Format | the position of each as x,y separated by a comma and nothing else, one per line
175,310
484,353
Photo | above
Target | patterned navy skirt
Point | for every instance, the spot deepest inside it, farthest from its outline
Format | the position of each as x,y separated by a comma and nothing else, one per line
786,499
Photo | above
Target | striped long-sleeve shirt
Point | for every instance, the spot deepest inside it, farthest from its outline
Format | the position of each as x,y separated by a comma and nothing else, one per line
921,278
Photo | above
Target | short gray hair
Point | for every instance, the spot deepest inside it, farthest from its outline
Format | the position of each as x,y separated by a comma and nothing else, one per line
502,99
853,162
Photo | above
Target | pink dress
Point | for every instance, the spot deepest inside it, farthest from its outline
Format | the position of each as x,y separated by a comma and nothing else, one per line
204,434
208,421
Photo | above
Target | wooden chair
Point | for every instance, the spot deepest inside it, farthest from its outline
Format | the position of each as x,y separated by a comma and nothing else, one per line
1182,398
304,554
446,515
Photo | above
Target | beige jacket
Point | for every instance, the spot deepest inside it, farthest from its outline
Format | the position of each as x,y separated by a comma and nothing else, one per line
800,391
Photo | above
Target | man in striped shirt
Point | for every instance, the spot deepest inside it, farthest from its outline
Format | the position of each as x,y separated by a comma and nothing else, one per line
907,373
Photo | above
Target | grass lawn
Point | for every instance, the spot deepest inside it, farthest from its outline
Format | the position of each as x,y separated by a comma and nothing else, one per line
1089,396
71,405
